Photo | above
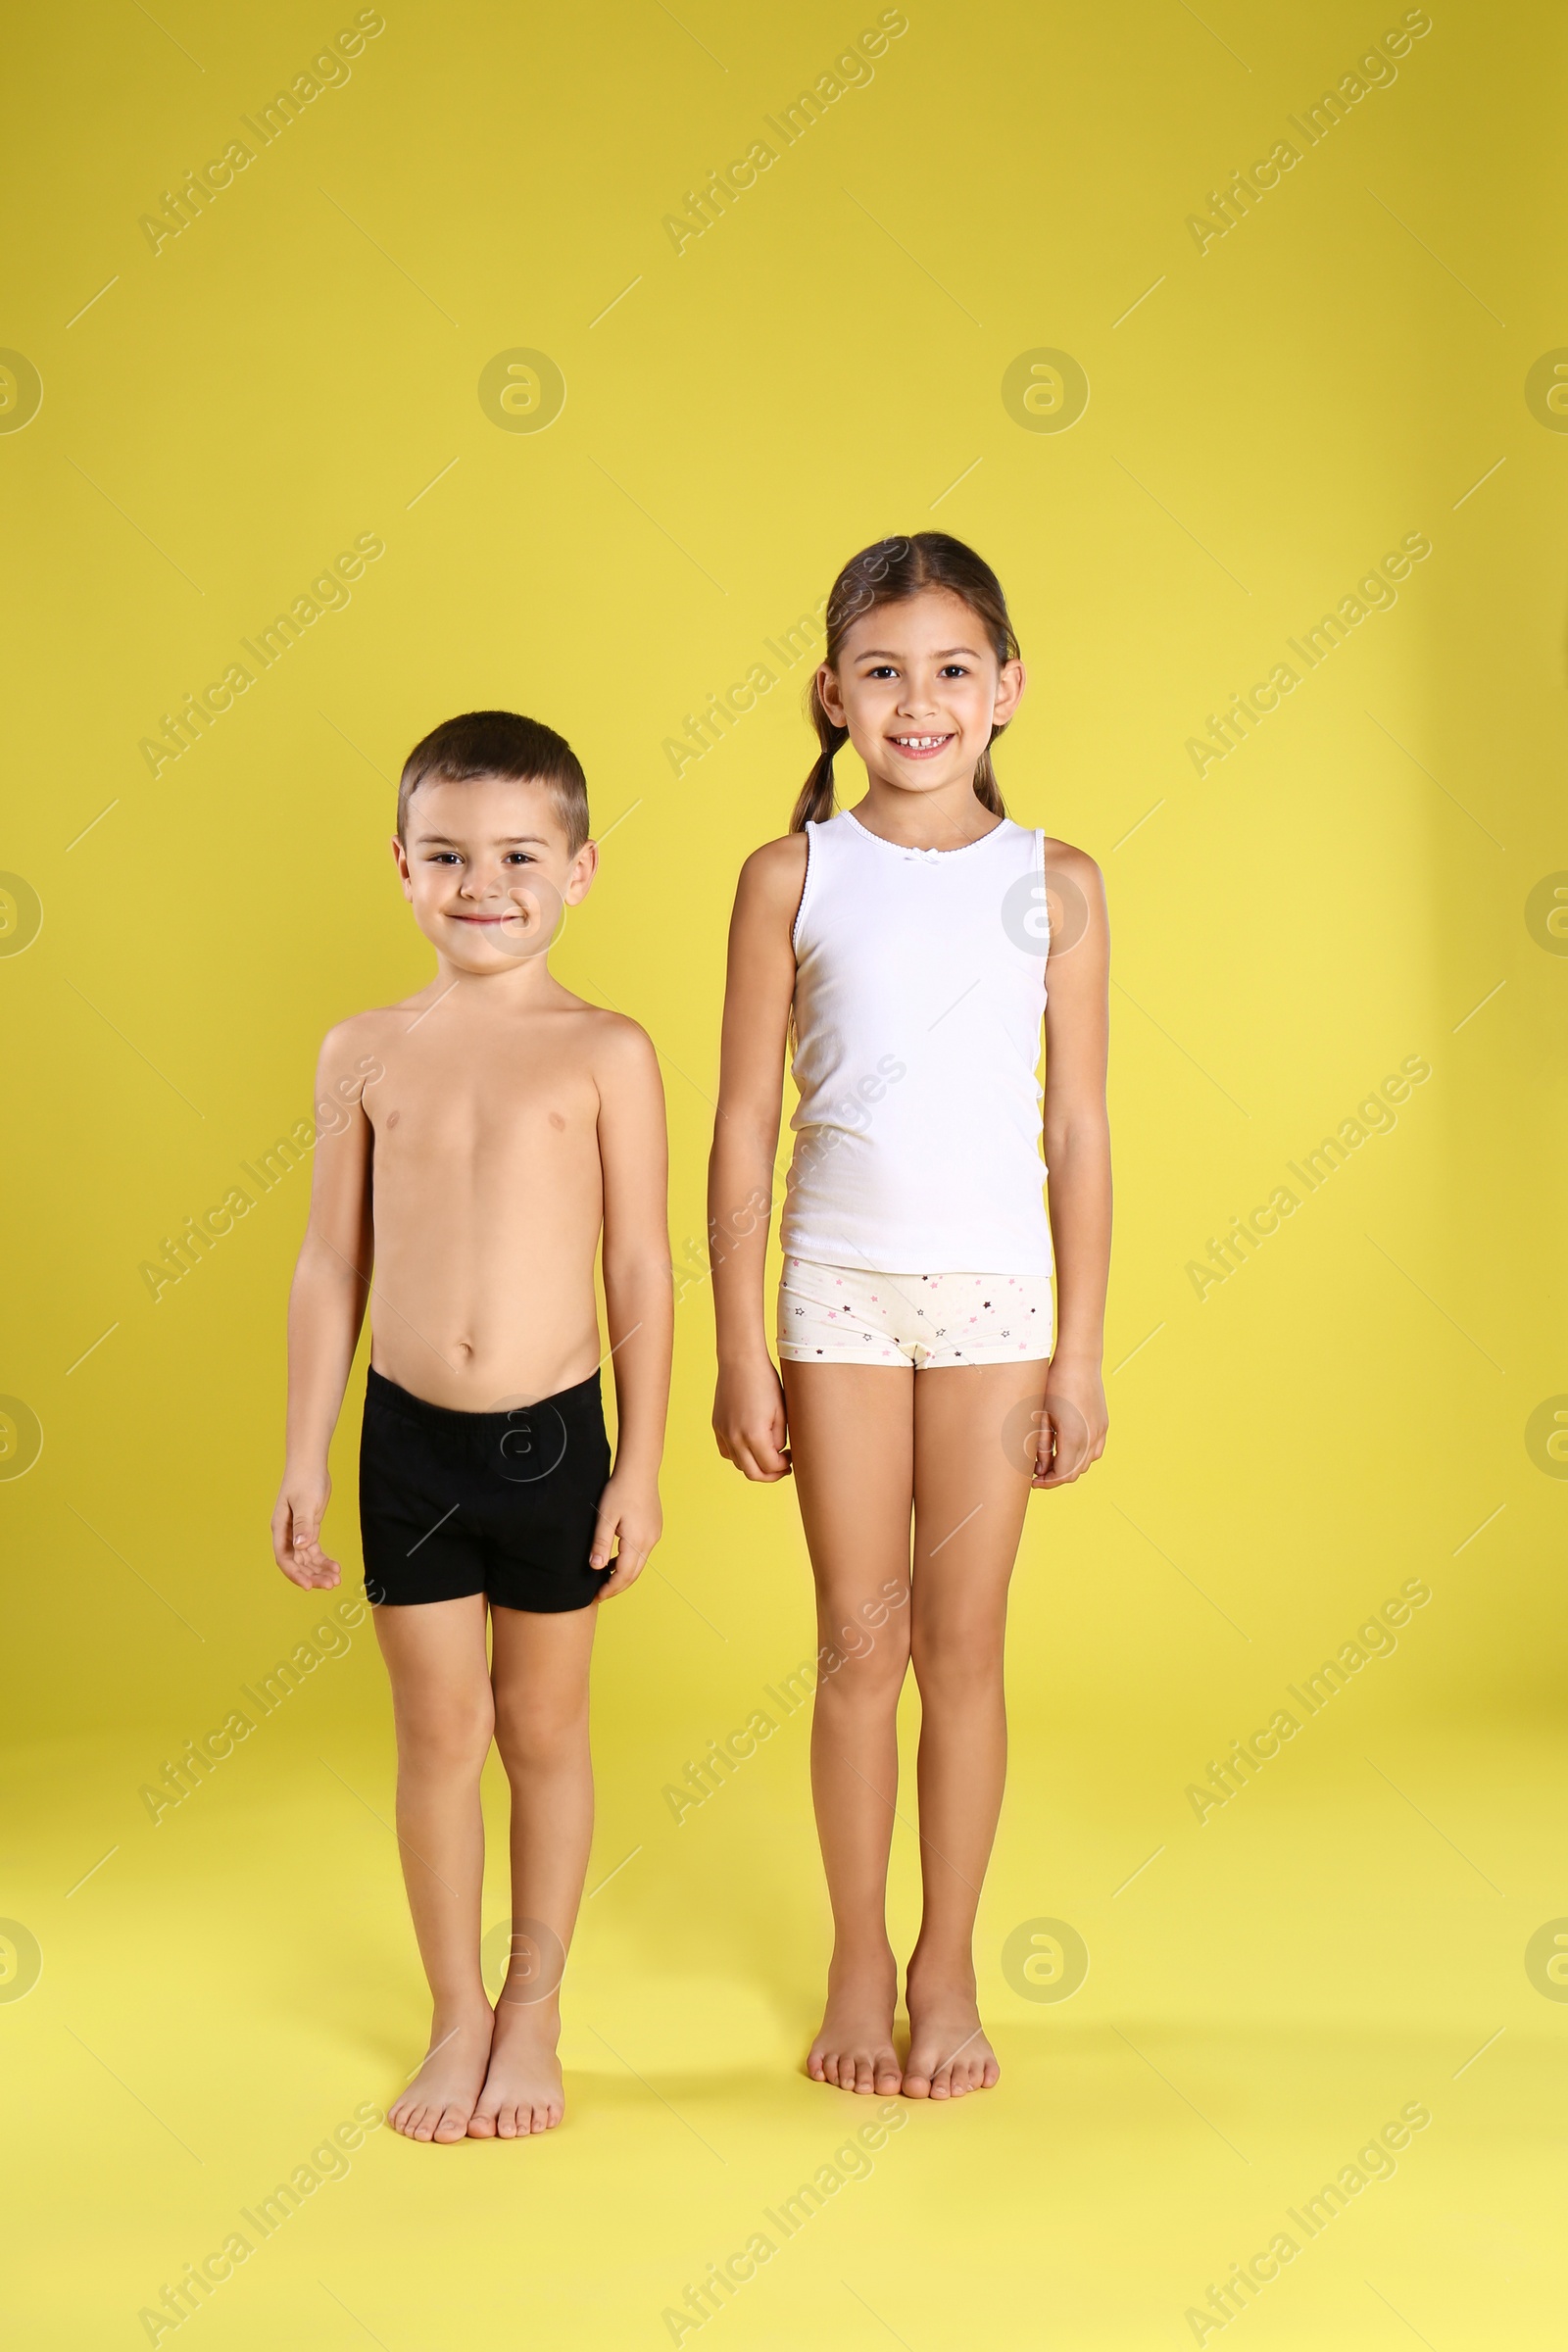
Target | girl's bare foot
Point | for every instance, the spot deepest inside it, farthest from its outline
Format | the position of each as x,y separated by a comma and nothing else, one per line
522,2090
855,2050
949,2053
439,2102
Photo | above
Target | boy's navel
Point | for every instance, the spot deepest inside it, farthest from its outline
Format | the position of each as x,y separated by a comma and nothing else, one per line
394,1118
558,1122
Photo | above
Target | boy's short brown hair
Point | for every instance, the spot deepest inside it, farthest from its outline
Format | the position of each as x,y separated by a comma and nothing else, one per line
500,743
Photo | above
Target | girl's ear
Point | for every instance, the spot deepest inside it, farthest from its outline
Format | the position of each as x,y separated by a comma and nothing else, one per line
827,690
1010,683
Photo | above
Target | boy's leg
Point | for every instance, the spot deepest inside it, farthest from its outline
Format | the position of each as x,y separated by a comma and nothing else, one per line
971,1495
851,1442
540,1672
441,1704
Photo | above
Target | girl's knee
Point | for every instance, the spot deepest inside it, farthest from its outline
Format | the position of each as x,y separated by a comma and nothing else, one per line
959,1671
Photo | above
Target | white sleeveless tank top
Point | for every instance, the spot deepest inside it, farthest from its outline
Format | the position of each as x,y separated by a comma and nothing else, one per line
920,991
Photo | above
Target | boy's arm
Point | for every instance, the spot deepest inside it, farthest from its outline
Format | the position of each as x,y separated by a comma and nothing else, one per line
639,1296
1077,1144
749,1417
326,1305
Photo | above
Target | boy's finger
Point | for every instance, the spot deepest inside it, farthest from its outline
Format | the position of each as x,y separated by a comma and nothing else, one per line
628,1567
603,1543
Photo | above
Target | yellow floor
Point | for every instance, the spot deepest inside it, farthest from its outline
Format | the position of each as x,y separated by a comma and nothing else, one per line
1268,1994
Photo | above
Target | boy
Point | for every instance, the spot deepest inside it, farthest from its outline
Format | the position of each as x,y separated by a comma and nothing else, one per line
504,1122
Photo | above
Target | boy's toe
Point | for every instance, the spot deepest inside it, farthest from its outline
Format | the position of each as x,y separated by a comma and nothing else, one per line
454,2125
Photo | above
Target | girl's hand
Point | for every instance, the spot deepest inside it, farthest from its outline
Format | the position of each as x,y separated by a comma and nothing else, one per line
1073,1422
630,1519
297,1530
750,1422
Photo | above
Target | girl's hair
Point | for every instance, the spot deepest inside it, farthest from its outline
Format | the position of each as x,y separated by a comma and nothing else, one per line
889,574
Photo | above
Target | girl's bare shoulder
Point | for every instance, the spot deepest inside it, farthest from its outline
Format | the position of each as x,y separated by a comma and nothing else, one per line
1063,857
775,870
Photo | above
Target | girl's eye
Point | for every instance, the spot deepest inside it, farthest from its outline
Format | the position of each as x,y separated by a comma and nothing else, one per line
955,670
883,669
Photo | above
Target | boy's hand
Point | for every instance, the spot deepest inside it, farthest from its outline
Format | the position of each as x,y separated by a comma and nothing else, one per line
630,1520
297,1532
1073,1422
750,1421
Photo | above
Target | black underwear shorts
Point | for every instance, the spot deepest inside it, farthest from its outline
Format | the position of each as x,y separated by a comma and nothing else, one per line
500,1503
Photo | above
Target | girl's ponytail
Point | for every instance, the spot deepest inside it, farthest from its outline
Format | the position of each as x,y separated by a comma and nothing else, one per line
987,791
889,574
816,804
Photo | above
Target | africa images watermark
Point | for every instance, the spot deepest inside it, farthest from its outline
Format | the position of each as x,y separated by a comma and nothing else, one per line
1230,206
721,712
1374,2162
198,2281
183,1253
850,2161
718,1765
328,593
1374,1115
1374,1640
183,207
853,70
185,1775
1374,594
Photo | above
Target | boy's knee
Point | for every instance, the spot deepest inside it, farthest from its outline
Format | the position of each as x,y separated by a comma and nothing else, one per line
448,1739
529,1737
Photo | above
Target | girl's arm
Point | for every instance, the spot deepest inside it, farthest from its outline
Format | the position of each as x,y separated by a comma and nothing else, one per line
325,1307
749,1419
1077,1141
639,1301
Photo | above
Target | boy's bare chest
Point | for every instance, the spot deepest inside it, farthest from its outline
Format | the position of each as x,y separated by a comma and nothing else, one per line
482,1103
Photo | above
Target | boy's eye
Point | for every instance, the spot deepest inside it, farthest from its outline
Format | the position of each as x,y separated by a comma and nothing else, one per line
520,857
442,857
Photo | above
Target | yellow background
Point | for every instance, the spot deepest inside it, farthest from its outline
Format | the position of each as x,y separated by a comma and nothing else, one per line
295,369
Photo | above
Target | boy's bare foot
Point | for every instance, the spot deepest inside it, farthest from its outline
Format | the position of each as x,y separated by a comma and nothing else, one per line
522,2090
439,2102
949,2053
855,2050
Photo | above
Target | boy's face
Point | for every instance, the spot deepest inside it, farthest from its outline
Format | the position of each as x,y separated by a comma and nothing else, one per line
487,870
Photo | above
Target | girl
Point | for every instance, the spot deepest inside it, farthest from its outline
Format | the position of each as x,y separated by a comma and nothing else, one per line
910,943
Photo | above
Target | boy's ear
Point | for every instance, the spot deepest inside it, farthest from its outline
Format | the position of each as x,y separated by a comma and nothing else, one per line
400,859
580,880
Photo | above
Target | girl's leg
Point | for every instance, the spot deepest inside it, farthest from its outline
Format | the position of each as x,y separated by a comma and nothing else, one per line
442,1708
971,1495
540,1671
851,1442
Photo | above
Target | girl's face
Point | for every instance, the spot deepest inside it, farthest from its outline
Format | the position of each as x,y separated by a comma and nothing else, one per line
919,689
